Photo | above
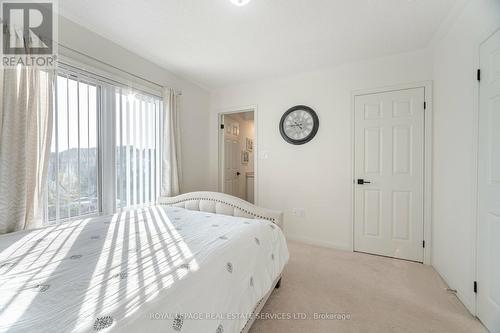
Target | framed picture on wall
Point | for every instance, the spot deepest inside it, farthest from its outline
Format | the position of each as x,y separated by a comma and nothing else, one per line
236,129
245,157
249,144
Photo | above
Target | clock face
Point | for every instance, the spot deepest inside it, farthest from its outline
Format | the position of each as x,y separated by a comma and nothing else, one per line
299,125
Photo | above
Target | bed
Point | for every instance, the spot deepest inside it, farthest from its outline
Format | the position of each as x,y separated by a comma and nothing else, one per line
199,262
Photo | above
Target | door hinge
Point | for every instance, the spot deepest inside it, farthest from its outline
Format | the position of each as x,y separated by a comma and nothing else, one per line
479,75
423,244
475,287
221,126
425,105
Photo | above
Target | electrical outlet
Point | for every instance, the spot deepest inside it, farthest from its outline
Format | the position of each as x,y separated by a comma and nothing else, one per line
299,212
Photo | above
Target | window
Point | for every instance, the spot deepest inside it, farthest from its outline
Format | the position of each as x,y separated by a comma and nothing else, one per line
87,128
73,165
137,149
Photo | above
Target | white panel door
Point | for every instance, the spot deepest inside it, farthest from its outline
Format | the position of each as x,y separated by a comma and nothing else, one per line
231,157
488,241
389,174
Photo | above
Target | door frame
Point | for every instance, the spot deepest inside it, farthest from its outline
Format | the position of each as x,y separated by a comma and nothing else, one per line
220,146
428,116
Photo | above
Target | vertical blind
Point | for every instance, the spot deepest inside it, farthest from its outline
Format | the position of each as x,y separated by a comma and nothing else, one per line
138,118
81,137
73,183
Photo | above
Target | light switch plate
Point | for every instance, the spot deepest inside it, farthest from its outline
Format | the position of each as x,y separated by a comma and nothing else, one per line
299,212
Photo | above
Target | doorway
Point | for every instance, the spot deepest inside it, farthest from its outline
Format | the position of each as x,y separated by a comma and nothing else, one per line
237,154
389,170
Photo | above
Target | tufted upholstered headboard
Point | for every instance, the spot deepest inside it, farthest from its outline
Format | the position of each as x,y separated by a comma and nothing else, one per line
221,203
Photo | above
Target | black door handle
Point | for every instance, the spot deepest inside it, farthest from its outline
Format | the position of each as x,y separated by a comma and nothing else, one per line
238,173
362,182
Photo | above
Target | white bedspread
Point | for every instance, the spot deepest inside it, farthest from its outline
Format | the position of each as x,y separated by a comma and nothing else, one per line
157,269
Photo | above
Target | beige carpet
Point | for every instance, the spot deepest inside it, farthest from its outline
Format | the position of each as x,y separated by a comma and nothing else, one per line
380,294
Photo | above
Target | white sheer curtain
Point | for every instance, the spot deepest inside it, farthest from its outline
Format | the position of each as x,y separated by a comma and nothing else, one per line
25,138
171,166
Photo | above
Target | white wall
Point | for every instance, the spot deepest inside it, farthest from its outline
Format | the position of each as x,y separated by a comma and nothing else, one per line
315,176
194,101
455,126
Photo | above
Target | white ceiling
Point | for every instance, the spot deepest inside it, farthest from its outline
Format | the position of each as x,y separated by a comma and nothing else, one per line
216,43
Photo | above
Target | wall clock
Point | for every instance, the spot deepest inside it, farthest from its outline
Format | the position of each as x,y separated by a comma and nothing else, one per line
299,125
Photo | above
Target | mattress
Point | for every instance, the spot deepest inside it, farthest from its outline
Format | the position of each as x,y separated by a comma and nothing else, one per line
152,269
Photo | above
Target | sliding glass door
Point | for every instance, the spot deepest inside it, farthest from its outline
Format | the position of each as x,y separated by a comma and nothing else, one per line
106,147
138,119
73,182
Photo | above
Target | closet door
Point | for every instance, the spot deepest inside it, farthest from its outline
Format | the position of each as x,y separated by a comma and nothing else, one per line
488,242
389,170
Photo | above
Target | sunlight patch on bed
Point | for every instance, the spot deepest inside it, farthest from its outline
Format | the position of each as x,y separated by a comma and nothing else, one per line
18,294
142,255
91,299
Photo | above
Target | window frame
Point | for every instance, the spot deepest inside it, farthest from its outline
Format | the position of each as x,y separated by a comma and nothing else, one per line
106,87
68,74
157,102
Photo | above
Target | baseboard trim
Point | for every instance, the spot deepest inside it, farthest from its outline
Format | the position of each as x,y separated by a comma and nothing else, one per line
468,303
316,242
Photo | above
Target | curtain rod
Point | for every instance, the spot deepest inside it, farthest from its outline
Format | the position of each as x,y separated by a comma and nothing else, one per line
114,67
65,66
